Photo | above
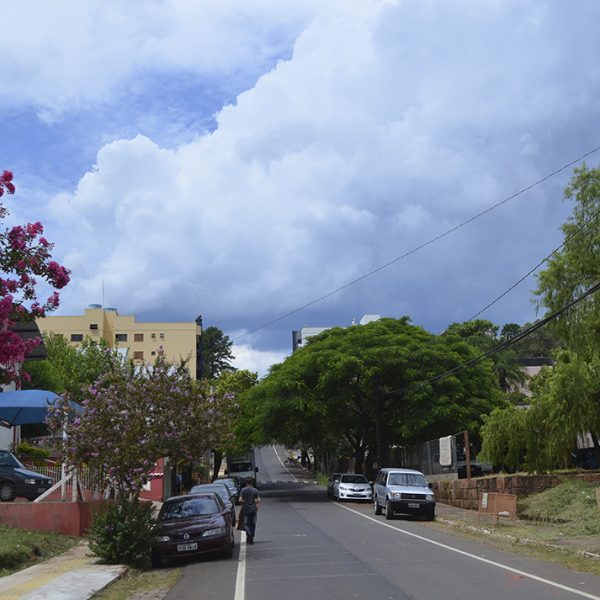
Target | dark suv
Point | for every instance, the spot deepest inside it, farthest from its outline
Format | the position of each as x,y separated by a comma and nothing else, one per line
16,480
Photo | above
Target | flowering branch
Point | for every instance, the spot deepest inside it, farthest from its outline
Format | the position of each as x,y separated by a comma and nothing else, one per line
25,256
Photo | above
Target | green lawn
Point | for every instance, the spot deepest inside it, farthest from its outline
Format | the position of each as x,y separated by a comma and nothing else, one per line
20,548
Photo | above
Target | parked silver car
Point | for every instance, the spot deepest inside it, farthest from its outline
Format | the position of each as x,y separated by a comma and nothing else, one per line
352,486
403,491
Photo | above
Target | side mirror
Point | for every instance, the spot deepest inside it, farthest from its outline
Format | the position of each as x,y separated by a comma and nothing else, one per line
430,486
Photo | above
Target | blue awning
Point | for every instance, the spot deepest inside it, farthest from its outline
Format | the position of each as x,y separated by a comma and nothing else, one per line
26,407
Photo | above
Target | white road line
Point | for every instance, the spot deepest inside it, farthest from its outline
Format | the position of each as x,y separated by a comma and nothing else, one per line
240,578
479,558
279,459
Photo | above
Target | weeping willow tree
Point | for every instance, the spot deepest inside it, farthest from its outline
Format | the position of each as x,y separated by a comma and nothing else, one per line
566,401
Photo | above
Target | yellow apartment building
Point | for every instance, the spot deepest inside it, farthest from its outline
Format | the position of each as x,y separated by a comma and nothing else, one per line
141,341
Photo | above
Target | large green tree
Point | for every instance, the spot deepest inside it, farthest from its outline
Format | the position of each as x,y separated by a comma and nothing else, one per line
232,385
70,369
367,385
216,353
566,399
483,335
569,273
576,267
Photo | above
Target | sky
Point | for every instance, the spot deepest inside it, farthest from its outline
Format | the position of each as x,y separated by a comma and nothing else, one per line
243,159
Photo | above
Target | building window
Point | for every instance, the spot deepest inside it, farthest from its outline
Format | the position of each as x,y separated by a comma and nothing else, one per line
138,337
153,353
153,336
77,337
138,355
93,325
162,336
121,337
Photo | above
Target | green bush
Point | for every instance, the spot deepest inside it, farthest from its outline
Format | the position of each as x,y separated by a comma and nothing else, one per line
27,449
122,532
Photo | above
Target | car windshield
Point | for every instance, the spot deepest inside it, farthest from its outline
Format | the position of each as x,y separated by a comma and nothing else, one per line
354,479
407,479
240,467
8,459
219,489
188,507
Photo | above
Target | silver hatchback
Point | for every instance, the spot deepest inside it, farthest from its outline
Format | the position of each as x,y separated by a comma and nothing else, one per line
403,491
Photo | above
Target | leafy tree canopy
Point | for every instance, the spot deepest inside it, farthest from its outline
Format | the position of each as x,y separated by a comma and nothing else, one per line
69,369
365,384
216,353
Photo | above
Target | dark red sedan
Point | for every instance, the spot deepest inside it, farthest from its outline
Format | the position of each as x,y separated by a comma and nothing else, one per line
193,525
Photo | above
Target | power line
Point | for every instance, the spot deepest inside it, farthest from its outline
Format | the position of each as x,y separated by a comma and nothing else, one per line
534,269
419,247
503,346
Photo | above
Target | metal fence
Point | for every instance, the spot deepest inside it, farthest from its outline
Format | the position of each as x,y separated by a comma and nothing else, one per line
88,478
451,456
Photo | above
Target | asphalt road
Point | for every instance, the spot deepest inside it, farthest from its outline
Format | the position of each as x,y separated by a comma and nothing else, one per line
307,546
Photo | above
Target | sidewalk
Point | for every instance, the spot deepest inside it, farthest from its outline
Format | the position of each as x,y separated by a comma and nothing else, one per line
73,575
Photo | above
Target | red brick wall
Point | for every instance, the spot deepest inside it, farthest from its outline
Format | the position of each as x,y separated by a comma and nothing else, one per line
465,493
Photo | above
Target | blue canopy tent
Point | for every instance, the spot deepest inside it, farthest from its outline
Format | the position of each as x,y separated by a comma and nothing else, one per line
25,407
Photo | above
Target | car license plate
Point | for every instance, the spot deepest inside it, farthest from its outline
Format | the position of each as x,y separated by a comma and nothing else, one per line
187,547
41,490
414,505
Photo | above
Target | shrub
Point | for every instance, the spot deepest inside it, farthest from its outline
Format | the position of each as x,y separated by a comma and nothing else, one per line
122,532
28,450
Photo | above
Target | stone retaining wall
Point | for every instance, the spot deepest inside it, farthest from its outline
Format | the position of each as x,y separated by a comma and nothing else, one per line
465,493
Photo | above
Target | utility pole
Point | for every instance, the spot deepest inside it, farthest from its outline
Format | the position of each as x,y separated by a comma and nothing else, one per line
467,455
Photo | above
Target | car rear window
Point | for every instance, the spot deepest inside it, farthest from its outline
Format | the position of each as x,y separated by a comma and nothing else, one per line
240,467
218,489
188,507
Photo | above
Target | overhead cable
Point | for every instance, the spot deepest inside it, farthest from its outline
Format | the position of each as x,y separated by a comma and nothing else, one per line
419,247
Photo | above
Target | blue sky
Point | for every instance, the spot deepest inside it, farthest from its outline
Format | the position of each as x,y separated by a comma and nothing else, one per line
241,159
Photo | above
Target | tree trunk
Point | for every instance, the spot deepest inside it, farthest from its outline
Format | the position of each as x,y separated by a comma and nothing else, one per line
380,434
218,459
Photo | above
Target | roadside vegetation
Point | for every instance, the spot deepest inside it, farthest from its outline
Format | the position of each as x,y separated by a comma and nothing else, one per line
560,525
20,549
571,507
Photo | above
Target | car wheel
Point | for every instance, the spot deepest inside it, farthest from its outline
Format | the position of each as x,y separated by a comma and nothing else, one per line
389,513
155,560
376,507
430,515
7,492
228,551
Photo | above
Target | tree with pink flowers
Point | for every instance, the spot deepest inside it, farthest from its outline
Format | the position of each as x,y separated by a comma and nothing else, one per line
25,259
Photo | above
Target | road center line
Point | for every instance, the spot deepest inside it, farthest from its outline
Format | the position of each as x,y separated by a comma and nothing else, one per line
479,558
279,459
240,578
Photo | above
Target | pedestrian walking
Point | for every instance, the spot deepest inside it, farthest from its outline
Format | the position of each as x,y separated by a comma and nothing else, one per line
250,502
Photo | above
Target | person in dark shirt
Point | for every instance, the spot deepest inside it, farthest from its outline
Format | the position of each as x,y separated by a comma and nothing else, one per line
250,502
